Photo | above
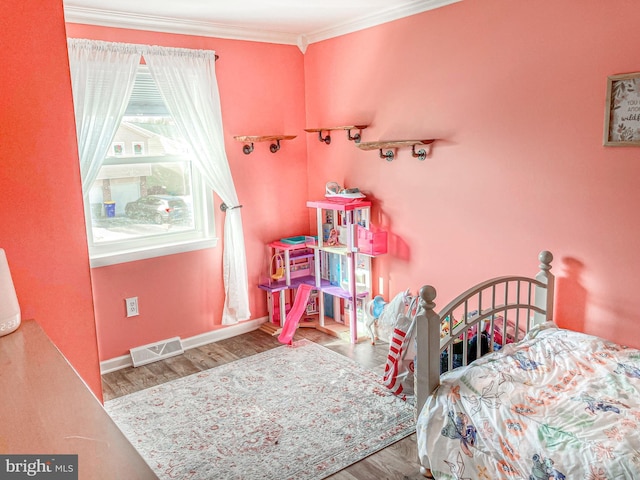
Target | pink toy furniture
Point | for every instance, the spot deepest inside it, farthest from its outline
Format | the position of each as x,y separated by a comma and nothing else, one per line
336,264
291,264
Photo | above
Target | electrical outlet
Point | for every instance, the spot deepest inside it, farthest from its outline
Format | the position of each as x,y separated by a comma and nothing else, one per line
132,306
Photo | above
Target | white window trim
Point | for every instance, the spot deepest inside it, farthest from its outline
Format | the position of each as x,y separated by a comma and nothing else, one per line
132,255
143,248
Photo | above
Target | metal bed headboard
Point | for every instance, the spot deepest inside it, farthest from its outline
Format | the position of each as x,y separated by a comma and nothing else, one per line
481,308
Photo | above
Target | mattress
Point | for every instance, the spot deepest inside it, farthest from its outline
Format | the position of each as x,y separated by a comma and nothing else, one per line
559,404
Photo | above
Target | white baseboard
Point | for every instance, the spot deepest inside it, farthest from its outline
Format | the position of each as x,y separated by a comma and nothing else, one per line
124,361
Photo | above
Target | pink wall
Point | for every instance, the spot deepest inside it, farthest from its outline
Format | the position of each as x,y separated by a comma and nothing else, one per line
41,220
262,92
515,93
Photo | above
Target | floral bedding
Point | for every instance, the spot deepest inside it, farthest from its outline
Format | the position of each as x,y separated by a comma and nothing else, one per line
557,405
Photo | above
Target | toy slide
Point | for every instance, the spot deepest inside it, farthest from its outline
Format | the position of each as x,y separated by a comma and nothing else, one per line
295,314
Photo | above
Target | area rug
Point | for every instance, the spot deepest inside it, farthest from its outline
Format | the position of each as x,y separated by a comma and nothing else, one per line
294,412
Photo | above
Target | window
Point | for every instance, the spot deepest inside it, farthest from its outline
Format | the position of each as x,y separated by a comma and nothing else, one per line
148,199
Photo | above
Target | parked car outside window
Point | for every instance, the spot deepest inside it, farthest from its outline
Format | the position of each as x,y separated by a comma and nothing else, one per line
158,209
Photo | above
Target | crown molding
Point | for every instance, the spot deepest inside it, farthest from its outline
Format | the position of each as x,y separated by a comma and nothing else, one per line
378,18
109,18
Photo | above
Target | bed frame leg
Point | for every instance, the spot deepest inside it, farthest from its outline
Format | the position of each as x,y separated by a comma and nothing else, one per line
428,337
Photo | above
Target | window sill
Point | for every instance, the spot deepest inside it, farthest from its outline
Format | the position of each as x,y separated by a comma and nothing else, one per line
133,255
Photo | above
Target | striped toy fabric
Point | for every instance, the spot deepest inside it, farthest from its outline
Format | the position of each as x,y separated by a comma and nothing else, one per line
390,377
399,368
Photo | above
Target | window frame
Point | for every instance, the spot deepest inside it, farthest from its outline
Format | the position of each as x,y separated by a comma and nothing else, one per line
142,248
148,102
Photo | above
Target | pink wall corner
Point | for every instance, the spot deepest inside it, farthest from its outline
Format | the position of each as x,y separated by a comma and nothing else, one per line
515,95
262,93
42,220
176,297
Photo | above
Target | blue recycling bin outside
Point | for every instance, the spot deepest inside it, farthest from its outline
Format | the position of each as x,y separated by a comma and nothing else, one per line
110,209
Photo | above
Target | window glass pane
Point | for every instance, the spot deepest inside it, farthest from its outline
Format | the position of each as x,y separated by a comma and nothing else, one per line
144,187
141,199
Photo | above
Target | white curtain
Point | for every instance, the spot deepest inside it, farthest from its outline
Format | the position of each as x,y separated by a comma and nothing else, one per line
102,78
187,82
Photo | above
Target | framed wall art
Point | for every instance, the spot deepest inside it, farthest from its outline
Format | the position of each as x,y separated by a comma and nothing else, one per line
622,112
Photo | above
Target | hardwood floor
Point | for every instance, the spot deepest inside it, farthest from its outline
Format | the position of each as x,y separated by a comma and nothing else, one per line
396,462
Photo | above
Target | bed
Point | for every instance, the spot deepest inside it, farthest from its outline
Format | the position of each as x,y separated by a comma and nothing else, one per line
543,403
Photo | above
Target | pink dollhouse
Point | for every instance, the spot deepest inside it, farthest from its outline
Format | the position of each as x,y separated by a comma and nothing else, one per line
336,263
